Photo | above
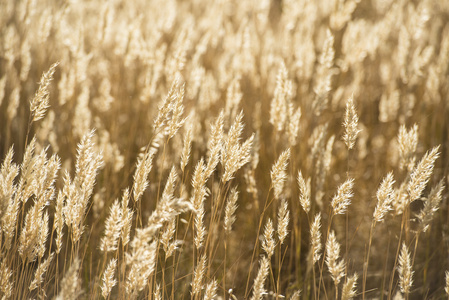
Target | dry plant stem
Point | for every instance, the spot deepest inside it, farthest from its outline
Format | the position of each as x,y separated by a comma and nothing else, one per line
366,261
281,259
331,213
416,247
347,220
224,266
390,289
217,208
314,282
336,291
279,272
266,205
384,272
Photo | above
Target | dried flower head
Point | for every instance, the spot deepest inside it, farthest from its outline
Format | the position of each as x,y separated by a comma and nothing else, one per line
39,103
278,173
405,270
315,236
385,195
421,174
268,243
304,189
342,199
348,292
350,123
332,253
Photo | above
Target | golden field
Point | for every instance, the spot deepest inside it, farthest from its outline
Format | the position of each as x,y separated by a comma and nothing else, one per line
284,149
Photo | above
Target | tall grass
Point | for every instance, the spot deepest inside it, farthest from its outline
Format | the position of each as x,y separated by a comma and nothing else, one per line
224,149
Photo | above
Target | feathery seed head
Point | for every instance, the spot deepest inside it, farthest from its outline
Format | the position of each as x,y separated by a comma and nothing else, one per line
278,173
431,205
407,143
332,253
350,123
258,287
108,278
304,188
39,104
198,275
348,292
231,207
405,270
283,219
421,174
211,290
268,243
385,195
315,236
342,199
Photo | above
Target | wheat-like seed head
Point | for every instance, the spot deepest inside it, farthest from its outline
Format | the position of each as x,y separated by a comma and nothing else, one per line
71,283
39,103
43,235
431,205
407,142
199,226
304,189
283,219
278,108
384,197
108,278
214,145
293,124
113,229
9,222
332,253
127,216
324,80
234,155
167,194
8,172
231,207
157,292
233,97
421,174
259,281
211,290
40,272
142,261
350,123
349,292
342,199
278,173
405,270
268,243
143,168
198,275
5,279
167,105
177,121
186,148
167,236
29,235
315,236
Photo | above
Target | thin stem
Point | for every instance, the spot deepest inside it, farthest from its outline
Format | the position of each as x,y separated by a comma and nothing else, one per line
257,240
366,262
322,262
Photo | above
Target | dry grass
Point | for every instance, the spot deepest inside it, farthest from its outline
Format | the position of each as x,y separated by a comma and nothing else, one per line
224,149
